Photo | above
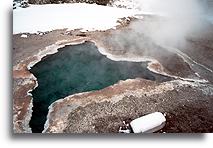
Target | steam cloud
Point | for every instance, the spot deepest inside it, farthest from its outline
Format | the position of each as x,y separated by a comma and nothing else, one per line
175,21
183,19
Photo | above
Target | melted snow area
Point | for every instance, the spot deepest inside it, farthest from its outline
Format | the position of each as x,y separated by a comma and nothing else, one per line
71,16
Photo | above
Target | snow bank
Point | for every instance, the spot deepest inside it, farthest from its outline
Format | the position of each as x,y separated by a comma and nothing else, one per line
23,36
149,123
71,16
169,8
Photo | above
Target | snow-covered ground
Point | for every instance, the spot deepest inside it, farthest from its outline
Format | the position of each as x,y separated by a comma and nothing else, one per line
170,8
71,16
95,17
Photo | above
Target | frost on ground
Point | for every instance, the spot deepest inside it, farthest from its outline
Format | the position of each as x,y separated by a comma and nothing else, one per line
71,16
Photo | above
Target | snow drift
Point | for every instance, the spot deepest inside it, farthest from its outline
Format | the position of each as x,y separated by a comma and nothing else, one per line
71,16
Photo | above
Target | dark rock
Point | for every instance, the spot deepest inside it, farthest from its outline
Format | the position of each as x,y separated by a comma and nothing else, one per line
99,2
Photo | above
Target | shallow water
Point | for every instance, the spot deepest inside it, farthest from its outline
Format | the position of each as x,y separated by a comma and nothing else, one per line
75,69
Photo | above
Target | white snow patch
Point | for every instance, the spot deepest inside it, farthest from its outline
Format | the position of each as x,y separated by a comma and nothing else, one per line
23,36
71,16
149,123
129,4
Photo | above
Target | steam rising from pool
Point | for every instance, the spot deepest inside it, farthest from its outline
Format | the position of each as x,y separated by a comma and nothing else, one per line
175,21
75,69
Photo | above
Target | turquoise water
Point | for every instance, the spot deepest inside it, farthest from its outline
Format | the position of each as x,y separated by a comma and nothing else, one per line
75,69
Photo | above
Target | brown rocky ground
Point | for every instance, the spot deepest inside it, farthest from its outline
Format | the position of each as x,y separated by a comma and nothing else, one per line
187,107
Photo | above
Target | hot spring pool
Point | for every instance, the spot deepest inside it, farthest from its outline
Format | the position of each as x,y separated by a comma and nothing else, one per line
75,69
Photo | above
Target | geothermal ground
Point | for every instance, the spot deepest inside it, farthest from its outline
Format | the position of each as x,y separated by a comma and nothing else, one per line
186,98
